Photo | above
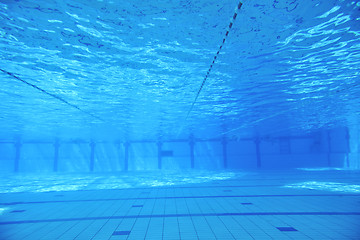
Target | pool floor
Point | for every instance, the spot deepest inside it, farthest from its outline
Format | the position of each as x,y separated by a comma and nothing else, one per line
255,205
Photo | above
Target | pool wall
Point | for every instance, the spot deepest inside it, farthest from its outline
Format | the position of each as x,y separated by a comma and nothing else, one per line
331,148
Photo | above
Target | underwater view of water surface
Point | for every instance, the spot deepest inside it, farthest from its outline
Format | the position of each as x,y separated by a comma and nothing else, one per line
187,119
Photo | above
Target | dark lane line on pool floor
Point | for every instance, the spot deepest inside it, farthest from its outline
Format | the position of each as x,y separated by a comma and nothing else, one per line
185,215
184,197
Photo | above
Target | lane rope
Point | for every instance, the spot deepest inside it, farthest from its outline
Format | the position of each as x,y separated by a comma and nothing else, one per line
214,59
51,94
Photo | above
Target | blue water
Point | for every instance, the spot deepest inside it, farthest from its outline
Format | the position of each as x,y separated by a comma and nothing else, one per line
134,68
189,119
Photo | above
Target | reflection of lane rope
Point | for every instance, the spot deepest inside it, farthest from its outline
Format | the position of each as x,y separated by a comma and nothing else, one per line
51,94
214,59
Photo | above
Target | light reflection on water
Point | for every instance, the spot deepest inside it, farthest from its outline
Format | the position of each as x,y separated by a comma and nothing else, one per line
322,169
78,182
2,210
326,186
140,72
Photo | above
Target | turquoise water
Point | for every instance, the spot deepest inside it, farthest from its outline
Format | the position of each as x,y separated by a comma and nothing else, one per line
131,70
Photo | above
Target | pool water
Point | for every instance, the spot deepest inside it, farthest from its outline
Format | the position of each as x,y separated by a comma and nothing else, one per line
179,119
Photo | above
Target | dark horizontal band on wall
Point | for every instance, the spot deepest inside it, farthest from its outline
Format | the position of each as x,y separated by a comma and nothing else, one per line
184,215
180,197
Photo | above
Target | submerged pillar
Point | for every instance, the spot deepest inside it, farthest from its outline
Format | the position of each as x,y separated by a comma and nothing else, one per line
192,157
329,149
258,153
56,155
17,155
354,146
347,136
224,150
126,160
159,144
92,156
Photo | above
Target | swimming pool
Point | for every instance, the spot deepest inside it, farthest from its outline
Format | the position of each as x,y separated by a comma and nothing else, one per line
108,98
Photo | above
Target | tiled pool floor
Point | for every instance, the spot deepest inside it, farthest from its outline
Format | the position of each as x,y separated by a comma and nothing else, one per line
257,205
